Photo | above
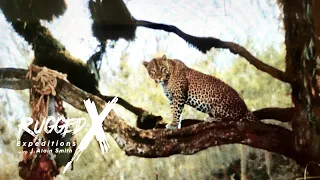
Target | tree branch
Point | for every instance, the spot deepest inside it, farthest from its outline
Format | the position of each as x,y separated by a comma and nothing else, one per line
163,142
280,114
14,79
204,44
188,140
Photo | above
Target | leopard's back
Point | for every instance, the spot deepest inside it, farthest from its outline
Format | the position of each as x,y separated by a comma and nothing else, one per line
211,95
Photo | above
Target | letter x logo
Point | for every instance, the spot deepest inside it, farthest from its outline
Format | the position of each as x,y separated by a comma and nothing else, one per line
95,130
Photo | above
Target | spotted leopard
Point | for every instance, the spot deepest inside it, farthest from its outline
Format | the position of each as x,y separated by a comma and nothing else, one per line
183,85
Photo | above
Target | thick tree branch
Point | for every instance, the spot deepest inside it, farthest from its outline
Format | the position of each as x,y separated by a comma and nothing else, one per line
14,79
204,44
280,114
188,140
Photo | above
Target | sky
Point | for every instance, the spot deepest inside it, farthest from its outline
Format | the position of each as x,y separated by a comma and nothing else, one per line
228,20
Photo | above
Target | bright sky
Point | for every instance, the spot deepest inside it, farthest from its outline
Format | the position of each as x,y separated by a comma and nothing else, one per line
229,20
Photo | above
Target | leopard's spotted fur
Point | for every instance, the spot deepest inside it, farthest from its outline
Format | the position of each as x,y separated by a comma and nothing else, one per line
206,93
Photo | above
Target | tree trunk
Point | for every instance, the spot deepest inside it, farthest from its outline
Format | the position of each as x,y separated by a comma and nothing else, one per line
302,46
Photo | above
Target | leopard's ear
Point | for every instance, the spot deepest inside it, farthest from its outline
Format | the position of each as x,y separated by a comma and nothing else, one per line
145,63
164,57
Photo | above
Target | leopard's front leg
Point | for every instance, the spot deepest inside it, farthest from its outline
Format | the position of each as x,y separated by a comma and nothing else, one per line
176,104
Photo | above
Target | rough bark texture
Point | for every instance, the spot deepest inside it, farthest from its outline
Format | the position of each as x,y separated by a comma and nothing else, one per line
301,63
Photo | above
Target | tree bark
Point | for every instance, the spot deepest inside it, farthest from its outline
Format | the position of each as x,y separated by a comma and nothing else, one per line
301,63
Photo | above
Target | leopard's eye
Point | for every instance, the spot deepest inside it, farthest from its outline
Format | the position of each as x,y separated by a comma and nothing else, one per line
152,72
164,70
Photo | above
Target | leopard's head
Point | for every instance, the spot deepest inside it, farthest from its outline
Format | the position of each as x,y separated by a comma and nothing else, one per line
158,69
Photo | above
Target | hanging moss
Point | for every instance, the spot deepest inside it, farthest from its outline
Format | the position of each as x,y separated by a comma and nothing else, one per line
111,20
51,53
32,10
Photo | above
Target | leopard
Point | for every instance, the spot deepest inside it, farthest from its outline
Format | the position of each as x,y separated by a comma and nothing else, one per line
206,93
